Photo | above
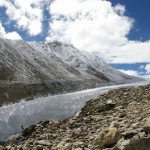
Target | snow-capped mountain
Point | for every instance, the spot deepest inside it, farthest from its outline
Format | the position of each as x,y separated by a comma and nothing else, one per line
30,69
86,63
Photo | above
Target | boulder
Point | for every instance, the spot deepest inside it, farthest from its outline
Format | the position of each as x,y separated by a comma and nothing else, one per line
130,144
107,138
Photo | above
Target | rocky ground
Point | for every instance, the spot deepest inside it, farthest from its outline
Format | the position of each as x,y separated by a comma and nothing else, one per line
117,120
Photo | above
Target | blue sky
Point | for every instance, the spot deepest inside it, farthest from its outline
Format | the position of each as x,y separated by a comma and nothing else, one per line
140,11
118,29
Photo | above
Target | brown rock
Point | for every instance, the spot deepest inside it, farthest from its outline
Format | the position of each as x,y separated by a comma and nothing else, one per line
64,146
42,142
146,126
107,138
78,144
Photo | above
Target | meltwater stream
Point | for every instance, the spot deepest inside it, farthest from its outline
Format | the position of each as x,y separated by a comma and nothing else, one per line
12,117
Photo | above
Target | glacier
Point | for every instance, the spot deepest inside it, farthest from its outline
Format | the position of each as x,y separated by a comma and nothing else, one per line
25,113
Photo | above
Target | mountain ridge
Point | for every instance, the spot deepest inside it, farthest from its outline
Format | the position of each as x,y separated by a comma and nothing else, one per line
31,69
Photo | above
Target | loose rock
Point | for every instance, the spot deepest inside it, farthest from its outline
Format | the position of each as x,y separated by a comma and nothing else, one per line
116,120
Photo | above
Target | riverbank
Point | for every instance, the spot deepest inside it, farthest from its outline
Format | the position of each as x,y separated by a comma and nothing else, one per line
117,120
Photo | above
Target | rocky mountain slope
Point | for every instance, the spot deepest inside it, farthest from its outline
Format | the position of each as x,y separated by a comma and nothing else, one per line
116,120
35,69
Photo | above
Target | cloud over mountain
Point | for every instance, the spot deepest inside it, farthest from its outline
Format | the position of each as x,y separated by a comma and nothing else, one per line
27,14
9,35
91,25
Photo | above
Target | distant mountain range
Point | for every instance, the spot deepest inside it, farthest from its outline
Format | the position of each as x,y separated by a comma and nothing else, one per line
29,69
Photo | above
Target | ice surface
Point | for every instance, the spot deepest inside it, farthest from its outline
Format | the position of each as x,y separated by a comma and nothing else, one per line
12,117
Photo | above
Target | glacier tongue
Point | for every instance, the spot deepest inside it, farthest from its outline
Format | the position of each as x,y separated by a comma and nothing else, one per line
12,117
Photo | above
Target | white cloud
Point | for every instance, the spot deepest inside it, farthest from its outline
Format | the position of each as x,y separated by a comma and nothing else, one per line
147,77
142,67
92,25
138,73
131,52
130,72
9,35
89,24
28,14
96,25
2,30
147,68
13,35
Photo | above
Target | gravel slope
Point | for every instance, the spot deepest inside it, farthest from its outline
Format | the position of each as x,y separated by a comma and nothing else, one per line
117,120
